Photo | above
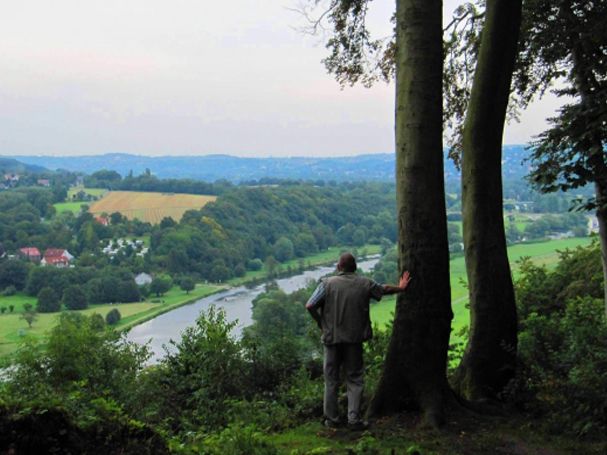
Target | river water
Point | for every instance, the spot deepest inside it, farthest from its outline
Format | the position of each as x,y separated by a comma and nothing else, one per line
237,303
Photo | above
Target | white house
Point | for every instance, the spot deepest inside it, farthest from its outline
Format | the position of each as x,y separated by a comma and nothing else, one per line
143,278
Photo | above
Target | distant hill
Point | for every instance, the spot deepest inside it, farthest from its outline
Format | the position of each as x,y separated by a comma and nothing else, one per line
214,167
15,167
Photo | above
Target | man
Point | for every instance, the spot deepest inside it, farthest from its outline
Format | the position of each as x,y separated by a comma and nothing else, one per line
344,322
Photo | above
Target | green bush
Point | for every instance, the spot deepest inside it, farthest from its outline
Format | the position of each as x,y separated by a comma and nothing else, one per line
113,317
75,298
48,301
10,290
255,264
79,356
565,364
562,350
203,370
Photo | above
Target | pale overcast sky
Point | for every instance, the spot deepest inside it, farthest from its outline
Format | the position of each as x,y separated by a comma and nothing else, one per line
187,77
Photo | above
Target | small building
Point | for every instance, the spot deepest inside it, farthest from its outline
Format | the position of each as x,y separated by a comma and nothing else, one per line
30,254
12,177
52,253
56,261
143,278
79,180
2,186
45,183
102,220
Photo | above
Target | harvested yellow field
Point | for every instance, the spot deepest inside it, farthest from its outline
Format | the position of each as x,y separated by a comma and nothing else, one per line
152,207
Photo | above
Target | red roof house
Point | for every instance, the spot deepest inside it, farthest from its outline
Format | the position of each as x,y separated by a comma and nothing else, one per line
43,182
56,257
102,220
56,261
31,254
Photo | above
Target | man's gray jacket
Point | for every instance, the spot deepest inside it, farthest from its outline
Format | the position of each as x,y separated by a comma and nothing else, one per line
345,310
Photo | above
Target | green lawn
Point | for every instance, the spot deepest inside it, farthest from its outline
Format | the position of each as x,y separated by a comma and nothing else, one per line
544,253
73,207
98,192
18,300
132,313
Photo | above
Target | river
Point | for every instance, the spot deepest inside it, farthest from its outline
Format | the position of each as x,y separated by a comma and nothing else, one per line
237,303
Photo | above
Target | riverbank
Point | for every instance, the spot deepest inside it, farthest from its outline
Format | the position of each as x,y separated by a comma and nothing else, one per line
296,266
11,325
13,329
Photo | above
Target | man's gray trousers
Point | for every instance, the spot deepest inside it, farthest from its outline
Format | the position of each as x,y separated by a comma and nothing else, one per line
351,356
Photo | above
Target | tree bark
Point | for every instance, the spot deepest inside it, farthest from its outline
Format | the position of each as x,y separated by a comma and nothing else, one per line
414,373
489,358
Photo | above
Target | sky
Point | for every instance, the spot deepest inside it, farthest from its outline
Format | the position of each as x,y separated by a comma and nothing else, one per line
188,77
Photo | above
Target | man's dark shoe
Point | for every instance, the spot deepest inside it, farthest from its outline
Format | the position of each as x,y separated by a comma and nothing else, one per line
358,426
334,424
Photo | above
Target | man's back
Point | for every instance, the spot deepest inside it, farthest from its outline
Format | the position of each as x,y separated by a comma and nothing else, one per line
345,313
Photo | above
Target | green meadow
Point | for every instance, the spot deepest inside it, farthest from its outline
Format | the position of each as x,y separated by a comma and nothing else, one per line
132,314
73,207
544,253
97,192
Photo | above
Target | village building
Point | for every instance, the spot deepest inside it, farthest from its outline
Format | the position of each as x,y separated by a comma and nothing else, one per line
2,186
143,278
30,254
56,261
102,220
56,257
43,182
12,177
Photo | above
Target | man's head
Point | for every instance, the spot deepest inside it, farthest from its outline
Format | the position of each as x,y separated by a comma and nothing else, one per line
347,263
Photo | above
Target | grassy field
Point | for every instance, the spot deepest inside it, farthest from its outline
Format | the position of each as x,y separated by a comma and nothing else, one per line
73,207
132,314
97,192
541,253
152,207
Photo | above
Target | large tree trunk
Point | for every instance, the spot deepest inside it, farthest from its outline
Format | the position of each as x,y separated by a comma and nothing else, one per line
489,359
414,374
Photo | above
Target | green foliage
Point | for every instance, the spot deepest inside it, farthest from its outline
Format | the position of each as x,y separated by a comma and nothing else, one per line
236,440
579,273
283,249
187,284
255,264
159,286
565,366
75,298
10,290
113,317
13,273
207,351
563,343
79,357
48,301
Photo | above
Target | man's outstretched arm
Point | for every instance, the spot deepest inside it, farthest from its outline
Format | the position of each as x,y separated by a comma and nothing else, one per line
402,285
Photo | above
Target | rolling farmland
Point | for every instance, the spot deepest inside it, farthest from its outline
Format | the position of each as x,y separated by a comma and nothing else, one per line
152,207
